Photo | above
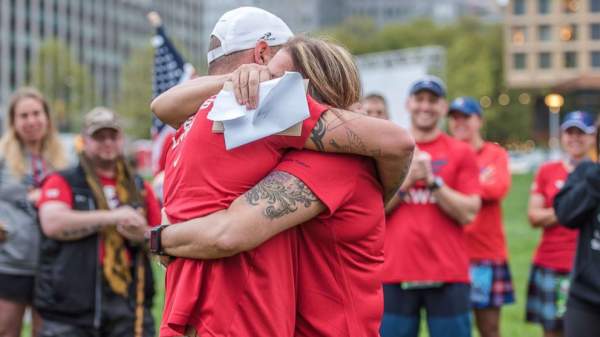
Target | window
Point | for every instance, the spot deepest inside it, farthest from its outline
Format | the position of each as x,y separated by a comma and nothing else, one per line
543,6
568,32
519,35
595,5
595,59
570,6
545,60
595,31
519,7
570,59
519,61
544,32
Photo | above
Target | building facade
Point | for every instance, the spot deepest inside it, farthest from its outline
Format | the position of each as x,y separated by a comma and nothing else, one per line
551,42
100,34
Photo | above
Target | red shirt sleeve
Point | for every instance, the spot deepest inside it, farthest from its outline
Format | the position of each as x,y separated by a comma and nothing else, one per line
538,182
468,173
330,177
152,207
56,188
162,160
315,109
496,187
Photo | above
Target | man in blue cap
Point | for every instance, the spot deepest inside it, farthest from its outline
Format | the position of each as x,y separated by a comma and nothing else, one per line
491,282
426,264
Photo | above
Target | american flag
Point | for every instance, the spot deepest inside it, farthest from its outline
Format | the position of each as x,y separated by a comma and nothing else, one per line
170,69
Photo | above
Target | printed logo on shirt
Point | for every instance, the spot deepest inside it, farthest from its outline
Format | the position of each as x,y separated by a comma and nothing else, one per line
110,193
52,193
187,125
438,164
559,184
419,196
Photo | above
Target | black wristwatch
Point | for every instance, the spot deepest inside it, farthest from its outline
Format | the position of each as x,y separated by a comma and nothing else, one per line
156,241
436,184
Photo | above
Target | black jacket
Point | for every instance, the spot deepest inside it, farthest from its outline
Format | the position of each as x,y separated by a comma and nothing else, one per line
577,205
68,286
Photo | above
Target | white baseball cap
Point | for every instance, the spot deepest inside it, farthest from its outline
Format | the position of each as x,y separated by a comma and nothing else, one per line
241,28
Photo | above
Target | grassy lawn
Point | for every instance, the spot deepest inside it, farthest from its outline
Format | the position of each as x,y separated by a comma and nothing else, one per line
521,240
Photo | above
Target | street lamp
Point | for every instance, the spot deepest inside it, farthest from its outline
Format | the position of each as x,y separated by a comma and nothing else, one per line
554,103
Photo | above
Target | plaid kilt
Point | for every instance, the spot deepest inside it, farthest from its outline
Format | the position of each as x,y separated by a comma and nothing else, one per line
546,297
491,284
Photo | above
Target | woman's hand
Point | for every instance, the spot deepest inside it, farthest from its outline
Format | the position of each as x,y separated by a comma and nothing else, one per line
246,80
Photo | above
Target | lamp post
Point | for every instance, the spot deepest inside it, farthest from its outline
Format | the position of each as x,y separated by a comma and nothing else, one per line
554,103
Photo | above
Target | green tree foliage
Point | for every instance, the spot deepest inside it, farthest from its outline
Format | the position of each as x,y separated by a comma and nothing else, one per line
68,85
136,92
474,65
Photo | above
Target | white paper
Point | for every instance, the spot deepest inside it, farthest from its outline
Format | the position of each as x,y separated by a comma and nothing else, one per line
226,107
282,105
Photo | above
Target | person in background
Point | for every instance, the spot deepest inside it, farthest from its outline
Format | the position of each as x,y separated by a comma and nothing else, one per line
94,276
375,106
577,205
491,282
29,149
553,260
426,263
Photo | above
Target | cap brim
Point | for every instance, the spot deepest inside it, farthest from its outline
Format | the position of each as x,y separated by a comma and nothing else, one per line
579,125
462,112
433,91
93,129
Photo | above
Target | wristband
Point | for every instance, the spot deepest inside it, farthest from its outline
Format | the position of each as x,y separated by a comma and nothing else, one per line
436,184
156,240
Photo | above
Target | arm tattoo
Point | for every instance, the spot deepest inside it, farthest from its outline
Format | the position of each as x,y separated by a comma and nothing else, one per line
78,233
349,143
317,135
283,194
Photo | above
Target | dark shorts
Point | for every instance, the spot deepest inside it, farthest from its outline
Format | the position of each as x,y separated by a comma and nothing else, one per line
17,288
491,284
547,297
447,307
117,320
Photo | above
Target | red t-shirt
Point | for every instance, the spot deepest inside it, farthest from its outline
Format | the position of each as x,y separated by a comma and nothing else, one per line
557,248
422,242
249,294
56,188
340,251
486,239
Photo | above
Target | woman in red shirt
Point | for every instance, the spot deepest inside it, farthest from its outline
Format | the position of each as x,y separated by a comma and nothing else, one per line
553,259
491,282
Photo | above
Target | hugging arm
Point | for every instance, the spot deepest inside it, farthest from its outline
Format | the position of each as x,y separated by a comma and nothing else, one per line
278,202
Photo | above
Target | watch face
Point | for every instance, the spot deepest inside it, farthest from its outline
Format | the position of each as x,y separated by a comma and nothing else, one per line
155,241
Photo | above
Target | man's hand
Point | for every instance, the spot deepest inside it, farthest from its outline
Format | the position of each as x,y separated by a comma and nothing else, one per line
420,168
245,81
34,195
130,223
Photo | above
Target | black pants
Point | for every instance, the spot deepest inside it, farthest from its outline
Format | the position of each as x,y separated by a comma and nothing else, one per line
582,319
117,320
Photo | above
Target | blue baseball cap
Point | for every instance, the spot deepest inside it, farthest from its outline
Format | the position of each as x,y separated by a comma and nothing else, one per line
579,119
466,105
430,83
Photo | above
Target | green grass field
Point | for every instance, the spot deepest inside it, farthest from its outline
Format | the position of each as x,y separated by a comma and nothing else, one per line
521,241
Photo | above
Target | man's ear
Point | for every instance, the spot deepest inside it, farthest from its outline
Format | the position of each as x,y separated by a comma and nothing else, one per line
262,53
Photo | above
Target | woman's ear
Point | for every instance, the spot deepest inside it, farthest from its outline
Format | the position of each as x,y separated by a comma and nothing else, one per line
262,53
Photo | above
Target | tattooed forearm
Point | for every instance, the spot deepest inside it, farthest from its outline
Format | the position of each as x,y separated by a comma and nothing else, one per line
336,130
317,135
78,233
281,193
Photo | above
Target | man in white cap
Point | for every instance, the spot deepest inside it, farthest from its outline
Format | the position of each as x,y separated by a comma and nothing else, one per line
253,293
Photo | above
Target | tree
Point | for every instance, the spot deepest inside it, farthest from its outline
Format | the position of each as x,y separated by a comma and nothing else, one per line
66,83
474,64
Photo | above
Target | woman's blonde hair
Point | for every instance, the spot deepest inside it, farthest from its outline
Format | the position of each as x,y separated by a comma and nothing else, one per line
331,71
12,147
